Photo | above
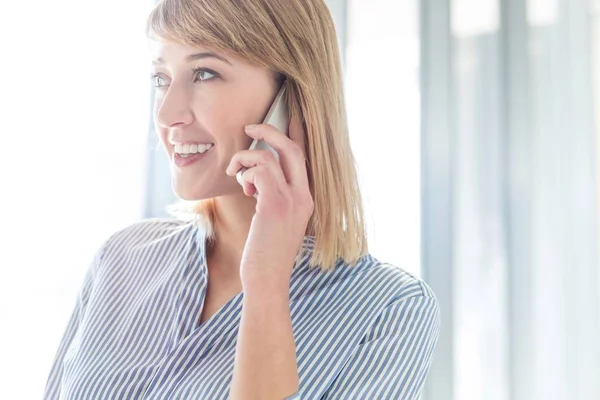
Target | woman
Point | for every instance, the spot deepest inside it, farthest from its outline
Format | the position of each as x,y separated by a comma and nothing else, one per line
295,306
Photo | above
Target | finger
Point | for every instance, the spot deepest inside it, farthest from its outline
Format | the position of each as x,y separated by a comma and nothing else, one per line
249,188
263,181
291,155
253,158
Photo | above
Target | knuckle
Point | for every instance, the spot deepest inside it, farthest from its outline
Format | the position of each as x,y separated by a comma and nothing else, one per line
247,176
261,173
267,156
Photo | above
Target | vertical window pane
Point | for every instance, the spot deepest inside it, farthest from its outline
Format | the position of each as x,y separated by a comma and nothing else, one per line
595,15
474,17
542,12
479,254
382,90
74,117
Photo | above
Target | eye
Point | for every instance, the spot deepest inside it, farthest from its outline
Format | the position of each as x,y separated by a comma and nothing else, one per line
201,74
155,78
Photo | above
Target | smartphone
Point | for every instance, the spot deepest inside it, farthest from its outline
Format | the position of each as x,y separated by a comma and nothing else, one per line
278,116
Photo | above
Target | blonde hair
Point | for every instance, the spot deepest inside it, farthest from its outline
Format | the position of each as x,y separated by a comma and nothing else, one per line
297,39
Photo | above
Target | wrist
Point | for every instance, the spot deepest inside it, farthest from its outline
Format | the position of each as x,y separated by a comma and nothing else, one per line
260,286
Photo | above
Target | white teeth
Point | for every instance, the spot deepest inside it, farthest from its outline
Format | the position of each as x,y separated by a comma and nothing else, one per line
192,148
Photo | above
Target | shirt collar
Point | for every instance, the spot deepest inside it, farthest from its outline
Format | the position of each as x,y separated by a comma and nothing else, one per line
307,247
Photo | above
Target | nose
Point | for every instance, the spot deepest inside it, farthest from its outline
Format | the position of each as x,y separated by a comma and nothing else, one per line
173,108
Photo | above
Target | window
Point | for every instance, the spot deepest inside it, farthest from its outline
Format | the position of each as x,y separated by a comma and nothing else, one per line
74,116
383,105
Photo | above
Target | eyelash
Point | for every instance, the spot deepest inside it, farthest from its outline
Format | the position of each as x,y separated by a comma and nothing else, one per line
210,71
195,72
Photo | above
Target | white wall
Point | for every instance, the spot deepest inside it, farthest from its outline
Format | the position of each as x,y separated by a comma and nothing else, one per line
74,114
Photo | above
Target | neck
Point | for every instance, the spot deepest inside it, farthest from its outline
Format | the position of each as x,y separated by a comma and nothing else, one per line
232,223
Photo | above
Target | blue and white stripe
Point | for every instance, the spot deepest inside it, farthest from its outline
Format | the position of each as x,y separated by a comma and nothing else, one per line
362,332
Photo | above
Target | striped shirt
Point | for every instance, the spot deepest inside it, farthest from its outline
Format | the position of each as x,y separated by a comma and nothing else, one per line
361,332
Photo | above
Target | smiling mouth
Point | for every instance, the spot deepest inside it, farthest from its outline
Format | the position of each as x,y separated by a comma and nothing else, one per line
187,150
184,159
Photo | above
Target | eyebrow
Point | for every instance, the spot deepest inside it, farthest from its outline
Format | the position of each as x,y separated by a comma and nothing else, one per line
193,57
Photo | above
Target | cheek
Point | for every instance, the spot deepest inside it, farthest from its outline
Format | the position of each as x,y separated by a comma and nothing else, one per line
225,122
162,135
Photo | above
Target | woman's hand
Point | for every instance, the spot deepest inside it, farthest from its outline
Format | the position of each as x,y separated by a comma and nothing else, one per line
284,204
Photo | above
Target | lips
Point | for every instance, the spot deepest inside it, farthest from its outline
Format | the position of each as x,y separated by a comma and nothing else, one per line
184,161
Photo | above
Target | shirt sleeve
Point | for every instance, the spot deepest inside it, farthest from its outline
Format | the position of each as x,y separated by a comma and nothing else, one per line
393,358
53,383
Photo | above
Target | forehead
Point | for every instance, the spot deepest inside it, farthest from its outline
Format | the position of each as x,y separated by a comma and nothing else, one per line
167,52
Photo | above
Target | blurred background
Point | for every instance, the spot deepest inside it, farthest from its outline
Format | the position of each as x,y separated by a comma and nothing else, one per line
475,124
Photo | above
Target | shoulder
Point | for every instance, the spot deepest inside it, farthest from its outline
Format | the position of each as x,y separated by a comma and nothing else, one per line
145,232
379,291
405,296
409,301
397,282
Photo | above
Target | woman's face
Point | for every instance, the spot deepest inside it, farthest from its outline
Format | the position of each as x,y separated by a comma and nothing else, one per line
203,100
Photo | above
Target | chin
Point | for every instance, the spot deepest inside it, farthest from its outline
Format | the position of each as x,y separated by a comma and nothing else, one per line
190,195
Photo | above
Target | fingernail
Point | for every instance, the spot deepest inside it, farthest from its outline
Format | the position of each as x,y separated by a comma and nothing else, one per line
250,127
